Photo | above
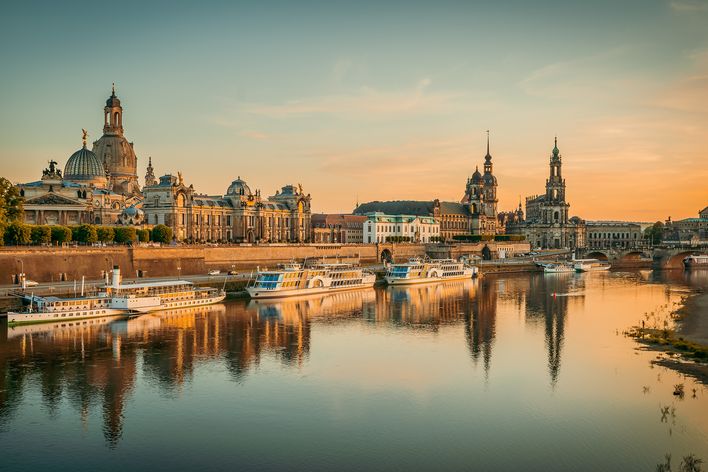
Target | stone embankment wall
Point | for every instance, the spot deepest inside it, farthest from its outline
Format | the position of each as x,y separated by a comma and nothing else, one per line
46,264
53,264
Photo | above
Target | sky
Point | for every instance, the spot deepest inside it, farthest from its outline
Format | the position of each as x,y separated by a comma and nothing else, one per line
374,100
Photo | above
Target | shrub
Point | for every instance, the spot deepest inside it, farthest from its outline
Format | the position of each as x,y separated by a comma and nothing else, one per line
86,234
125,234
161,234
17,233
61,234
105,234
41,234
143,235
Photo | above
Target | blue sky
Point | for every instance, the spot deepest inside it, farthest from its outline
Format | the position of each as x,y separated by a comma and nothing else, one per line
374,100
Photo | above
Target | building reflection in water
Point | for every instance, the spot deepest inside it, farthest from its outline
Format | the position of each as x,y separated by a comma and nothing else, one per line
93,364
547,299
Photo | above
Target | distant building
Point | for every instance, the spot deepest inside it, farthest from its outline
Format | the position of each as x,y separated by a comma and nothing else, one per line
238,216
380,228
547,223
338,228
688,230
614,235
475,214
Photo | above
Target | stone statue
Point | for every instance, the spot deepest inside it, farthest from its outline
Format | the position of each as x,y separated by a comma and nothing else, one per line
85,136
180,180
299,189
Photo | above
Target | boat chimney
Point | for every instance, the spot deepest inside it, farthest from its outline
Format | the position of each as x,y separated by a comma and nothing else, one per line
116,277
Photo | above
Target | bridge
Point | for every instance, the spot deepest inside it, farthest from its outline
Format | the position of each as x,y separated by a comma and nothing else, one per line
657,257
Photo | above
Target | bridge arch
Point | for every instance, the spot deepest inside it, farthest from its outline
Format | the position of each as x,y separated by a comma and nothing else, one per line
632,256
676,261
386,255
599,255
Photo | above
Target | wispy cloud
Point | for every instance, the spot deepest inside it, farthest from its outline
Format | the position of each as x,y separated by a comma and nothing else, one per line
365,102
688,6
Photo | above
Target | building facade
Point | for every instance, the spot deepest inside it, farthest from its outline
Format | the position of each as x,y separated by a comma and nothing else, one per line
474,214
614,235
381,228
338,228
240,215
688,230
547,224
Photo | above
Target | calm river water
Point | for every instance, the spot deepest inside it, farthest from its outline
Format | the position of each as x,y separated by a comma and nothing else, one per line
495,374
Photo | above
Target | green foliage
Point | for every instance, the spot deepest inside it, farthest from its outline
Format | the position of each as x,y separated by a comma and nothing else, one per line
655,233
143,235
61,234
161,234
41,234
17,233
11,209
125,234
86,234
105,234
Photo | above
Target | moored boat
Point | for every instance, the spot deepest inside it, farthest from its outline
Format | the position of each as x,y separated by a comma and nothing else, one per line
295,279
589,265
117,299
696,261
417,271
558,267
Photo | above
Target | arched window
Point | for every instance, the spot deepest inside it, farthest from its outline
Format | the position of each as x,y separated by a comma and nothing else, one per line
556,215
115,119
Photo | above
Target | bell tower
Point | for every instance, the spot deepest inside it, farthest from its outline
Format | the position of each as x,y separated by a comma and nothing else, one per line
113,115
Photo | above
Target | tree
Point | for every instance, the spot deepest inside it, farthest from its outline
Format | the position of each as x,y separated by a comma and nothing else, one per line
105,234
655,233
125,234
143,235
10,202
86,234
61,234
41,234
161,234
17,233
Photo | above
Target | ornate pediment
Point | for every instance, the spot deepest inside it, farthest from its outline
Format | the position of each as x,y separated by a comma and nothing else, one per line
52,199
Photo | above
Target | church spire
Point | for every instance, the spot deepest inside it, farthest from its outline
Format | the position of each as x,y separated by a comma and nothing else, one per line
488,145
150,174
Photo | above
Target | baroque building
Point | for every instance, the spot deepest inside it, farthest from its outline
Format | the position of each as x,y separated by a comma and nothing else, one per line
547,224
337,228
79,195
474,214
240,215
115,152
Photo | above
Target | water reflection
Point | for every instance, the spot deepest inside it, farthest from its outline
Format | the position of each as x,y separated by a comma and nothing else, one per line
95,365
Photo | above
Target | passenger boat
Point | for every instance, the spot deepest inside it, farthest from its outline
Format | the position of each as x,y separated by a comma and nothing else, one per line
588,265
558,267
696,262
417,271
117,299
295,279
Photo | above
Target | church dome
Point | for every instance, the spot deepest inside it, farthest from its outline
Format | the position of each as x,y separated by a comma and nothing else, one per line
84,165
476,177
113,101
238,187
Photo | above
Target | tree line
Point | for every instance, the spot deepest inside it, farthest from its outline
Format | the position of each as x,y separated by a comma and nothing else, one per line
20,234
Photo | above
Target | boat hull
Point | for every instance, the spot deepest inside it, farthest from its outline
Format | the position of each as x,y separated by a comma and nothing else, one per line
15,318
425,280
261,294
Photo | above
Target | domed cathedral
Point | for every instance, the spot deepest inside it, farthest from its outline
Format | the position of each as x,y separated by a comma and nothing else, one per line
79,195
115,152
547,223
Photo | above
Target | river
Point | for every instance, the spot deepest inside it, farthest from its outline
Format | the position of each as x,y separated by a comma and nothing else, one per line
510,372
